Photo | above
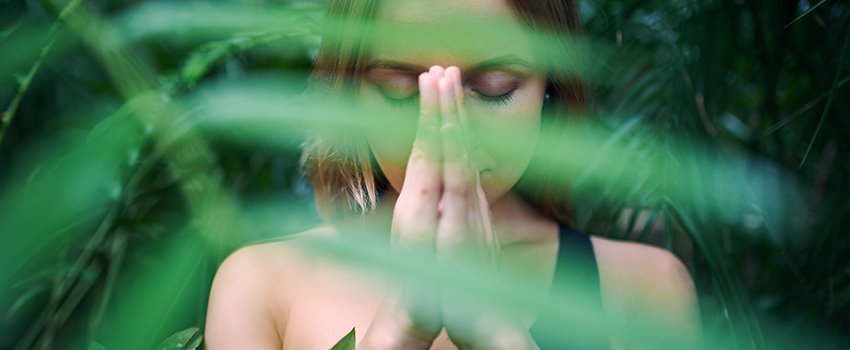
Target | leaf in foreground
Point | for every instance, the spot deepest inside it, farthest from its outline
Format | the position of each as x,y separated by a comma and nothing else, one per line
178,340
346,343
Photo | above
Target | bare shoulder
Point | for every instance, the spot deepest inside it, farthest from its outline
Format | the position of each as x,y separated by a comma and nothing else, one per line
643,268
646,286
248,269
249,292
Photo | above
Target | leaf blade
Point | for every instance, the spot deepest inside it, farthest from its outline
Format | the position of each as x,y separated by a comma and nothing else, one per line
346,343
178,340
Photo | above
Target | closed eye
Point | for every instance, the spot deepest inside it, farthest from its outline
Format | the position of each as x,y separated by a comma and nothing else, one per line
399,88
399,102
494,86
500,99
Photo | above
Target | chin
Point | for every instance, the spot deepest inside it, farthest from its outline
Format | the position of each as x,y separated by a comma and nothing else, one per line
495,188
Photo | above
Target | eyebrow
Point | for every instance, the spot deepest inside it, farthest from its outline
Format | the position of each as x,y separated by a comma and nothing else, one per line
395,65
501,61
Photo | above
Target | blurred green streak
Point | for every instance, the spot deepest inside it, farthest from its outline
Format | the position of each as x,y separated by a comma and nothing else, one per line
155,295
589,159
196,20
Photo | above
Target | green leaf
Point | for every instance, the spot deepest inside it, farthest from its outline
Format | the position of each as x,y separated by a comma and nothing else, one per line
26,297
828,100
196,343
346,343
178,340
805,13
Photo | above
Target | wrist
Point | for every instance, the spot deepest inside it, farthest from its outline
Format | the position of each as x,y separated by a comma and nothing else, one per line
390,339
396,332
502,342
502,336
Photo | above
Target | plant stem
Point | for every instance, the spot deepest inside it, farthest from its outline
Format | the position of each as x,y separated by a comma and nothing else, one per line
53,33
9,113
828,100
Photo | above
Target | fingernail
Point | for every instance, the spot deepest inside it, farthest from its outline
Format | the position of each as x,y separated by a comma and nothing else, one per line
426,87
437,71
455,74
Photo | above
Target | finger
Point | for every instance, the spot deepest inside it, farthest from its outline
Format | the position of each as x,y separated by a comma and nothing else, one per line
469,133
454,73
453,231
491,243
415,214
466,131
451,129
426,147
479,218
437,72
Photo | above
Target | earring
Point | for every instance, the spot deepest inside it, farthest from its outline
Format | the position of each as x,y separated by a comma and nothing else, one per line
547,97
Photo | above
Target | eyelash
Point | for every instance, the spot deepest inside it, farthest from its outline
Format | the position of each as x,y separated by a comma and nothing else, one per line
400,103
497,100
409,101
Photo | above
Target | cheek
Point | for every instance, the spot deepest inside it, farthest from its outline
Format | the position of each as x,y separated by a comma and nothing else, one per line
509,134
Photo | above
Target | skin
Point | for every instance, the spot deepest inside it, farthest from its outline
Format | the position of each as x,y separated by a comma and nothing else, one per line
452,194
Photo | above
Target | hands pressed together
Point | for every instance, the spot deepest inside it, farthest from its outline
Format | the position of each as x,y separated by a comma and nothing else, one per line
442,210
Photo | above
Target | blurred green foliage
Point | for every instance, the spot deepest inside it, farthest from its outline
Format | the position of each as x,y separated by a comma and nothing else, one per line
142,142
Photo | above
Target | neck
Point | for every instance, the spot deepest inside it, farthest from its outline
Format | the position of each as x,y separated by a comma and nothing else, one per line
515,220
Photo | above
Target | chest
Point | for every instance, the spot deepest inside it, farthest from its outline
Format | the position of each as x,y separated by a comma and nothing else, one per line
331,300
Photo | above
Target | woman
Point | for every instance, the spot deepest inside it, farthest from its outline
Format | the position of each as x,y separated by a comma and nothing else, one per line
453,194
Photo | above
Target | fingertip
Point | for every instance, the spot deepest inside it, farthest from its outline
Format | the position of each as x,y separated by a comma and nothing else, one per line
425,79
437,71
454,73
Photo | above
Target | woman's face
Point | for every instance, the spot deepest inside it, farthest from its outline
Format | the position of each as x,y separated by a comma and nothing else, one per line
504,91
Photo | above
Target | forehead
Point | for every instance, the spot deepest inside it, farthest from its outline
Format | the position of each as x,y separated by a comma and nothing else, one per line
448,32
422,10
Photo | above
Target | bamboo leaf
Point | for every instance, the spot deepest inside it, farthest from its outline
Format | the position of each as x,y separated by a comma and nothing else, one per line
26,297
828,100
804,14
803,109
346,343
196,343
178,340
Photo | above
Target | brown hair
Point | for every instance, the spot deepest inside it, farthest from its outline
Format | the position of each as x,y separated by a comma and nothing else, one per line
341,166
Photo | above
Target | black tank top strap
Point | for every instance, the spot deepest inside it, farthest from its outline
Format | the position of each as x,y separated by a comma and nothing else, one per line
576,286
